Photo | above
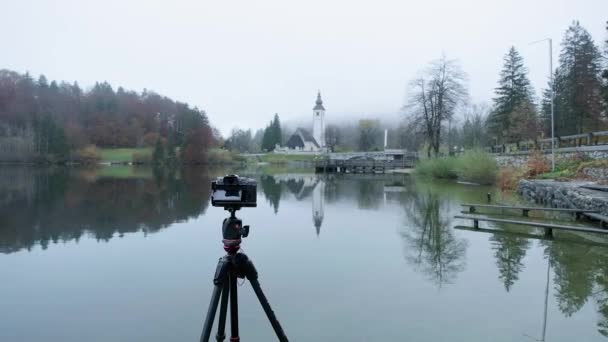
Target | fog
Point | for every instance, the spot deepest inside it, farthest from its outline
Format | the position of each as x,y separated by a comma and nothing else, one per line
243,61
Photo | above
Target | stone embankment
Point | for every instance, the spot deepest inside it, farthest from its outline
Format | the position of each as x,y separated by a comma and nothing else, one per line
564,194
518,159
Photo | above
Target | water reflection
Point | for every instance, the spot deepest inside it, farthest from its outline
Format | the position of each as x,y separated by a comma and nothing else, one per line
38,207
42,206
430,241
509,251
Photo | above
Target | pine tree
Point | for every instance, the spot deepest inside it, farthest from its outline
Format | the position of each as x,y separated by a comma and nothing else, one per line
514,92
267,139
577,84
276,131
605,76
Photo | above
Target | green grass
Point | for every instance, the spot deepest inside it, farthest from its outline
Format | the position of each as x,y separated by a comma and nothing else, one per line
278,159
217,156
124,172
121,155
557,174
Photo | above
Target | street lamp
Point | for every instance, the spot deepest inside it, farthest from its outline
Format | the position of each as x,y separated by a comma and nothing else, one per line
552,91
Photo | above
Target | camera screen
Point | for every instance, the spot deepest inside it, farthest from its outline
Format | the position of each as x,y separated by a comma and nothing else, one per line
227,196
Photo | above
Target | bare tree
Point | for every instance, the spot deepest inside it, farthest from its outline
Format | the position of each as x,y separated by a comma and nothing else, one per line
434,98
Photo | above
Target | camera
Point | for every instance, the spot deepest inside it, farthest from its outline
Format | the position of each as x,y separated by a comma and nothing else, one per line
234,192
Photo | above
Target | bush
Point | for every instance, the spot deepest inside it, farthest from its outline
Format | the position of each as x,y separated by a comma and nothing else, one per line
472,166
600,164
509,177
87,154
476,166
537,164
444,167
141,158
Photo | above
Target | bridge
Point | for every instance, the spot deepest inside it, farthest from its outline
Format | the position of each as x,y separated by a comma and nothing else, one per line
366,162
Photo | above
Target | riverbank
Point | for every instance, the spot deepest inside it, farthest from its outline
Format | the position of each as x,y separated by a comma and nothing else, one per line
564,194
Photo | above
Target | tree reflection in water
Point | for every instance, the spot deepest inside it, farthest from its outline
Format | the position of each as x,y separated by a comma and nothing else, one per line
40,206
580,275
509,251
430,242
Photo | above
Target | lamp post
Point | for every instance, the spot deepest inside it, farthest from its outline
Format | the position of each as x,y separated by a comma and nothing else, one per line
552,92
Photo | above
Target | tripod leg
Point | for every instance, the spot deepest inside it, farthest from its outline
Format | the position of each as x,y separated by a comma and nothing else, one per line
268,310
219,280
215,298
221,326
234,309
249,271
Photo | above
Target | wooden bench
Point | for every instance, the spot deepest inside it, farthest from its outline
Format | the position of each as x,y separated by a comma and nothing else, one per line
526,210
548,226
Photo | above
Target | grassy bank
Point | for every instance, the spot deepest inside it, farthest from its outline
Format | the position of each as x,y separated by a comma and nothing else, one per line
122,155
279,159
472,166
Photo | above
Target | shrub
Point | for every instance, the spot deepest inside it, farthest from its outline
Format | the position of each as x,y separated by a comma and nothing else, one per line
141,158
600,164
537,164
476,166
444,167
509,177
87,154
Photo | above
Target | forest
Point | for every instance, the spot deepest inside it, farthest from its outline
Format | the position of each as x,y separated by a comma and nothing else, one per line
42,121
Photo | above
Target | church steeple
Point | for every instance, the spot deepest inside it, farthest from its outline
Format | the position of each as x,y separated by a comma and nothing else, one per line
318,122
319,102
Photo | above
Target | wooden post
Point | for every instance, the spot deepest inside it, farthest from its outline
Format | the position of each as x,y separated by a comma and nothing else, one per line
471,209
476,224
525,212
549,232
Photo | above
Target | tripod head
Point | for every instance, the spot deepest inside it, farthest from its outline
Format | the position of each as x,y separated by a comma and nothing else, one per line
232,231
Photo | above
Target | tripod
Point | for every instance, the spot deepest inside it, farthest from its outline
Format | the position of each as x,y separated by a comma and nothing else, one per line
230,267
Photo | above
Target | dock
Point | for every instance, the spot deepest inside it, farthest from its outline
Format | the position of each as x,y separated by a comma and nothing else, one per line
549,227
366,162
525,210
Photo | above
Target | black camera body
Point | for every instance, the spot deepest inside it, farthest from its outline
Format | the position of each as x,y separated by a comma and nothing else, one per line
234,192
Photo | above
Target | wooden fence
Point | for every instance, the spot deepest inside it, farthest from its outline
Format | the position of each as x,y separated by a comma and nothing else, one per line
575,140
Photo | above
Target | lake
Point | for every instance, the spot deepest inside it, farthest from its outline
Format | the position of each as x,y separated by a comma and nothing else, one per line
120,254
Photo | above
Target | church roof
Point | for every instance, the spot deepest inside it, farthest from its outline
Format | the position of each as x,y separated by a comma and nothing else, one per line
299,138
319,103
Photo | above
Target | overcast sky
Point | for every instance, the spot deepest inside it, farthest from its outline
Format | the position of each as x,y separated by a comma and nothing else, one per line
242,61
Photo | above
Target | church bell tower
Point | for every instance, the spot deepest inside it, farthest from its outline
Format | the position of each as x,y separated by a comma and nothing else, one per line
318,121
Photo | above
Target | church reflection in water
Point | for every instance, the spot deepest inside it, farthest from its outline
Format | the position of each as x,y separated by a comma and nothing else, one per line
303,187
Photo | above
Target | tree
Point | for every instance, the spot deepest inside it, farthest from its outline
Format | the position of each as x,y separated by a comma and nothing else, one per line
276,130
605,76
369,134
240,141
158,156
473,131
332,136
272,135
62,117
434,97
577,85
514,92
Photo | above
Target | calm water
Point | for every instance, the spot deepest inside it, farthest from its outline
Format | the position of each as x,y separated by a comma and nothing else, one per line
126,256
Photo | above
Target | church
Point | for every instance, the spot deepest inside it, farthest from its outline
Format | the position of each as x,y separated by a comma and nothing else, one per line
302,140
